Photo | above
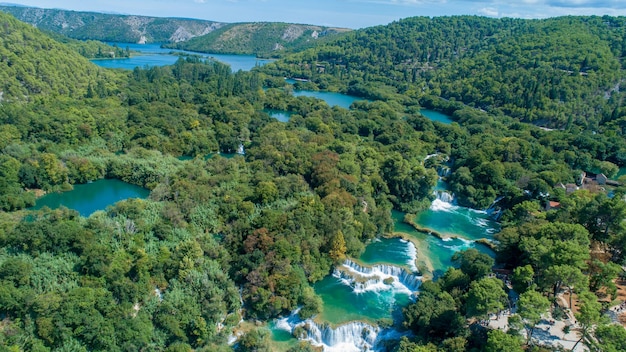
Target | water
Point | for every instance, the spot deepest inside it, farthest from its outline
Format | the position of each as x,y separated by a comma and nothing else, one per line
90,197
154,55
451,220
331,98
359,294
434,255
280,115
436,116
395,251
341,304
353,336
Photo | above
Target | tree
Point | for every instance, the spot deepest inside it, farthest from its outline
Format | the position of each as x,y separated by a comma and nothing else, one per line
602,275
473,263
611,338
407,346
256,340
588,316
530,307
338,247
564,275
434,316
484,297
498,341
522,278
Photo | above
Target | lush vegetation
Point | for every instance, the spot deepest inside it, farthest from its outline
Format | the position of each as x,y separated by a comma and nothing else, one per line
92,49
482,65
220,239
559,72
261,39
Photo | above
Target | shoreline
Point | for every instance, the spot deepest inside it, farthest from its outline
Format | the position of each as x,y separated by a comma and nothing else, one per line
424,266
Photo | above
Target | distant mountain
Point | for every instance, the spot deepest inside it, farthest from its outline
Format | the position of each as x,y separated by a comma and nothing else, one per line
188,34
261,38
32,63
110,27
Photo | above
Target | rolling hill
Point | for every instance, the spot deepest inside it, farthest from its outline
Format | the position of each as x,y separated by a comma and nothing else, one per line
261,38
188,34
558,72
32,63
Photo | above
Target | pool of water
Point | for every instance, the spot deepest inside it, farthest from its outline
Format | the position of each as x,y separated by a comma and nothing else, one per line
331,98
436,116
91,197
433,253
280,115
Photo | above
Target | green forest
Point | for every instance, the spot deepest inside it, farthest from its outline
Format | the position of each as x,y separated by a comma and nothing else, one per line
225,239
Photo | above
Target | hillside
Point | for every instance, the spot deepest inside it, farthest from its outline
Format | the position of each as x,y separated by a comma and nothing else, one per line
33,63
259,38
558,72
109,27
187,34
224,246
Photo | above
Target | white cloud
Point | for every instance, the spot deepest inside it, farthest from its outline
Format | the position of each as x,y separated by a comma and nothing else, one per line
489,11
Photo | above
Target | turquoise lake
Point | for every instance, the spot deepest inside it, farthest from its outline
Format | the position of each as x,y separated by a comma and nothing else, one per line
91,197
436,116
280,115
331,98
154,55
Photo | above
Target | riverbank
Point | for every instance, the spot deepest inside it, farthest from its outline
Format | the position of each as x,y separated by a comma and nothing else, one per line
408,219
423,263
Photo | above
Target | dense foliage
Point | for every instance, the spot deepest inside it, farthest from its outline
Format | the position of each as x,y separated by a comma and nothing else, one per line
31,64
262,39
559,72
224,238
92,49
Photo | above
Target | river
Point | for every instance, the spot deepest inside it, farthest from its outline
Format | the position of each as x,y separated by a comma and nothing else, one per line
154,55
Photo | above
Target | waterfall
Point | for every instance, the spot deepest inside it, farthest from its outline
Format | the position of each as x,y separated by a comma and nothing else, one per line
412,251
493,210
377,277
353,336
240,150
443,171
430,156
444,196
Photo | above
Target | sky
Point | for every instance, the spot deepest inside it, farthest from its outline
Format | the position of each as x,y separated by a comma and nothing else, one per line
337,13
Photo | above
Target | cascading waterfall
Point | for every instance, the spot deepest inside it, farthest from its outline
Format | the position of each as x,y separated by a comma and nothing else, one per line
377,277
430,156
494,210
355,335
444,196
443,171
412,251
352,336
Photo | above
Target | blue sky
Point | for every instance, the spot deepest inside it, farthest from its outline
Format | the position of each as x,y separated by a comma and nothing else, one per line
339,13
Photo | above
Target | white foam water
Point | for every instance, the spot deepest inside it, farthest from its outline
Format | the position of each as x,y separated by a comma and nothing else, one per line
356,336
412,253
377,277
439,205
